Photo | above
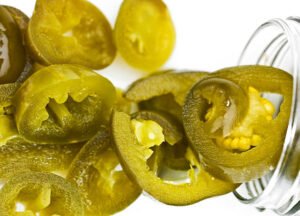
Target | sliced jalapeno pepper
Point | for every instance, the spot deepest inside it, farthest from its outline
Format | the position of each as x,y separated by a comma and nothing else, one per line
19,156
81,33
105,190
63,104
231,126
144,33
42,193
168,95
134,140
12,51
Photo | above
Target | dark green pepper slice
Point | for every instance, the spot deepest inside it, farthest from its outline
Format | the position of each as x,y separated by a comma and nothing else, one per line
18,155
12,51
234,144
70,32
43,193
105,190
63,104
165,91
134,140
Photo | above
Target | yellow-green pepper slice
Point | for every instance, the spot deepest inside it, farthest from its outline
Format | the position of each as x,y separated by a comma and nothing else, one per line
144,33
231,126
70,32
105,188
63,104
18,155
42,193
134,140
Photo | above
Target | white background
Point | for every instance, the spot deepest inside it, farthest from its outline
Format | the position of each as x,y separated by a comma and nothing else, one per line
210,35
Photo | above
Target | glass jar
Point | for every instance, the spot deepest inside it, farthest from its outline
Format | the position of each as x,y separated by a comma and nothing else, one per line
277,43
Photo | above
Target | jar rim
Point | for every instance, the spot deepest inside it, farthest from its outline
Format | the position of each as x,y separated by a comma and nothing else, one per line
292,35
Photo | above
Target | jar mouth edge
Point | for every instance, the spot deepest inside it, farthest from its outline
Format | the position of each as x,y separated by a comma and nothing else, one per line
290,134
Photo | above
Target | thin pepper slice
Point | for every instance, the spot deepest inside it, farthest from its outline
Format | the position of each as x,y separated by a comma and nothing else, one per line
12,51
243,162
43,193
18,156
63,104
105,188
163,91
134,157
81,33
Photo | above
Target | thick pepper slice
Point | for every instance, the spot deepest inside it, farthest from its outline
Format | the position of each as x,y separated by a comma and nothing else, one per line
105,188
134,141
63,104
12,51
164,91
18,156
231,126
70,32
42,193
144,33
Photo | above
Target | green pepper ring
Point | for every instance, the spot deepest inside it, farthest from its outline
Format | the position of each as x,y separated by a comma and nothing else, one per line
241,167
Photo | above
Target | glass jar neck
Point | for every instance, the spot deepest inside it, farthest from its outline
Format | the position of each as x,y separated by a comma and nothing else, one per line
277,43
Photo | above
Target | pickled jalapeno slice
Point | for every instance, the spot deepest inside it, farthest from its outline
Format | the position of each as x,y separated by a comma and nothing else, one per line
18,156
168,96
70,32
40,193
63,104
136,140
105,187
231,125
13,57
144,33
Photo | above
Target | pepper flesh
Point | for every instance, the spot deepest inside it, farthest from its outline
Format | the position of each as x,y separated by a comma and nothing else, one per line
132,153
43,193
81,33
105,190
63,104
255,162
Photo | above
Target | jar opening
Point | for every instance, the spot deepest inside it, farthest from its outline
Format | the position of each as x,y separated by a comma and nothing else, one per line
277,43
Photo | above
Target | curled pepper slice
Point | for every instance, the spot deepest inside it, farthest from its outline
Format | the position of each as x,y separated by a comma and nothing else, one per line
12,51
231,126
104,188
42,193
81,33
134,142
63,104
168,95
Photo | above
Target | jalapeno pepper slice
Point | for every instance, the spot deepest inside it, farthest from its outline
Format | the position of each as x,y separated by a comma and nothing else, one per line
12,51
105,189
240,146
43,193
134,148
81,33
63,104
18,156
144,33
168,96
